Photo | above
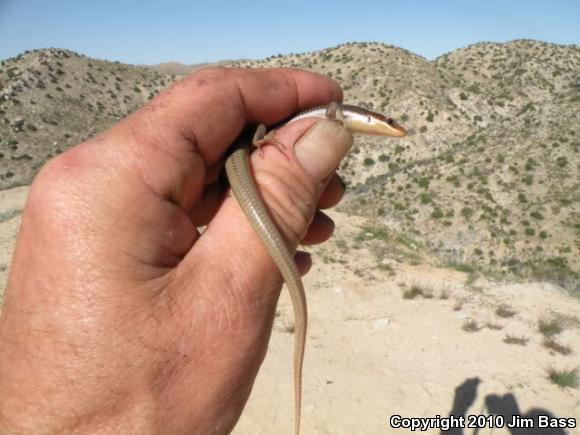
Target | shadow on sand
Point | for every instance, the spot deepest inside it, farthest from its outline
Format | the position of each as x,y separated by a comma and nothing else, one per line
506,406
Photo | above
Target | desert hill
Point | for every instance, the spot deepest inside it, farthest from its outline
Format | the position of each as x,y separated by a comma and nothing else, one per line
442,290
488,179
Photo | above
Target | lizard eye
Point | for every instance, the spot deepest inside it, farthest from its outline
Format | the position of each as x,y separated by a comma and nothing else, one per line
390,121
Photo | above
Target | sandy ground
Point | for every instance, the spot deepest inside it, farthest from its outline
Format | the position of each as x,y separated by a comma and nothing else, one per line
11,205
372,354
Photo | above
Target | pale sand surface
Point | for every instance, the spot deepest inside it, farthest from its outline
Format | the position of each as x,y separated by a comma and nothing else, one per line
371,354
11,204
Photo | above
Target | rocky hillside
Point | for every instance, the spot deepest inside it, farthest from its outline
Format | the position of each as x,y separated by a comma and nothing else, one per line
52,99
488,179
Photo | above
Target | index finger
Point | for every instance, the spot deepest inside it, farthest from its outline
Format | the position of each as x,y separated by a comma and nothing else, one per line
208,109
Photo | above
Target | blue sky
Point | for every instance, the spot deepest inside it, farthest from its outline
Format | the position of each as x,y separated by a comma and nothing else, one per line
145,32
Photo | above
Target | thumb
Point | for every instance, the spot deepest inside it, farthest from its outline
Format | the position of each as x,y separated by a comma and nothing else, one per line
292,181
290,184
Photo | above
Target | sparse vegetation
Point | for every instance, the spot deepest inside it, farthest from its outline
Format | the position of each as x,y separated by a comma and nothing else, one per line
484,196
563,378
466,212
47,91
5,216
504,311
425,198
460,267
553,345
437,214
550,327
512,339
415,290
410,292
470,326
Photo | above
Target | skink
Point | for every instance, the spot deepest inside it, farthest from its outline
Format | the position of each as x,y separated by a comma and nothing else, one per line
356,120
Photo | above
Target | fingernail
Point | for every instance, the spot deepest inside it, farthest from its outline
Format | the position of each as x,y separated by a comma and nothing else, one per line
322,147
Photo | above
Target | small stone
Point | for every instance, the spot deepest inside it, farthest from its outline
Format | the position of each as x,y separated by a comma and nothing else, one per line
381,324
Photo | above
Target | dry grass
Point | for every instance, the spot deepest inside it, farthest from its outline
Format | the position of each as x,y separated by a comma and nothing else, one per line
470,326
416,290
564,378
553,345
504,311
512,339
493,326
550,327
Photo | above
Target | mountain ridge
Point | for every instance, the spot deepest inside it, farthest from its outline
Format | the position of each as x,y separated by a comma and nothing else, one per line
487,177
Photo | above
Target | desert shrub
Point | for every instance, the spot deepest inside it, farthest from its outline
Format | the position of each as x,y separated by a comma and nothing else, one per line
564,378
437,213
467,212
561,161
528,179
423,182
425,198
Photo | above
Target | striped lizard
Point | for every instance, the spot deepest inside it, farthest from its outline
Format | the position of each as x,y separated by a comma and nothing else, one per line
356,120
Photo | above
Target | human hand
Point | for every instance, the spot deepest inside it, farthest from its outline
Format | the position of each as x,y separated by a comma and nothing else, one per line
119,315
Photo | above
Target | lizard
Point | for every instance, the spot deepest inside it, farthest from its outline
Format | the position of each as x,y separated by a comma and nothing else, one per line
356,120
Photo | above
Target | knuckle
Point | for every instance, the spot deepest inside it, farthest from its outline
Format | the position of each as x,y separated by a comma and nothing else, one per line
59,169
209,75
56,185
